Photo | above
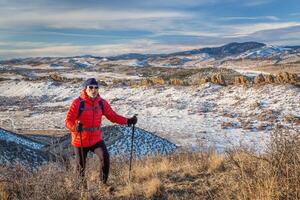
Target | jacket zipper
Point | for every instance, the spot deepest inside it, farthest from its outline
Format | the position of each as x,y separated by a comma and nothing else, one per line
93,118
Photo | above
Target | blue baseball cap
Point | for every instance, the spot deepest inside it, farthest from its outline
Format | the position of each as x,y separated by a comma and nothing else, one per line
90,81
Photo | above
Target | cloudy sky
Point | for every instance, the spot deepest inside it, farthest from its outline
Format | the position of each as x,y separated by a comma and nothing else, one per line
110,27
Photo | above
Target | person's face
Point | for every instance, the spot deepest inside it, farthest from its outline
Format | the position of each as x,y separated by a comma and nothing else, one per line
92,91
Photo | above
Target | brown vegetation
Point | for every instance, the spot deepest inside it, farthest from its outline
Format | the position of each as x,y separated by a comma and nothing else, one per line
226,125
292,119
237,174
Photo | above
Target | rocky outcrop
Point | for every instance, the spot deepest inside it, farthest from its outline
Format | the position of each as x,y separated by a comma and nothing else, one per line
285,77
205,79
242,80
175,81
281,78
218,79
158,81
259,79
269,78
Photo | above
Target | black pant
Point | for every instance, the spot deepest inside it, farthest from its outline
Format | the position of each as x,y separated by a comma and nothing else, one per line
104,163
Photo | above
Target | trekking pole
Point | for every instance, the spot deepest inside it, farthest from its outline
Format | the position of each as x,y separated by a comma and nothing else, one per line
132,138
81,148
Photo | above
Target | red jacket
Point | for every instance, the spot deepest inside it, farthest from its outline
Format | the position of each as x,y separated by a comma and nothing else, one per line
90,117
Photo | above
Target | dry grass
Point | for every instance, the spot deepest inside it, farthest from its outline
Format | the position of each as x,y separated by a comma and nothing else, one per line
292,119
235,174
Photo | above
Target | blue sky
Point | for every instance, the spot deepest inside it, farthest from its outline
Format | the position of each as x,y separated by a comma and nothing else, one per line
110,27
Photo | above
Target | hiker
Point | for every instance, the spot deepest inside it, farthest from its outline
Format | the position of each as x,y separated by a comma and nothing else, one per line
84,121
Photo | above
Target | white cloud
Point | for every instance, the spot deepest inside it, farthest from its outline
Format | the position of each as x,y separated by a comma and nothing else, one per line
25,44
83,18
193,33
274,18
244,30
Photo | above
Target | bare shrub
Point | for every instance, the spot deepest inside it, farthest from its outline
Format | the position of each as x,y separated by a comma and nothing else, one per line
57,77
292,119
3,190
226,125
120,82
267,115
284,158
215,161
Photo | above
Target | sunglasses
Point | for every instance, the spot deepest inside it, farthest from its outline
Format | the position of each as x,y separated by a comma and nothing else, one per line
93,87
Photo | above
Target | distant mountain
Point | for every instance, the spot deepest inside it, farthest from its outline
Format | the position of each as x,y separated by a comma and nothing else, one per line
223,51
293,47
235,50
130,56
216,52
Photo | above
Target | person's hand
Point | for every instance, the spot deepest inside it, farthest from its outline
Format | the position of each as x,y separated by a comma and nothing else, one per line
132,120
79,127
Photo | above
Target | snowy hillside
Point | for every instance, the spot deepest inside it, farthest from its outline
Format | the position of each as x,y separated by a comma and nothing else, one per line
209,115
16,148
145,143
174,108
265,52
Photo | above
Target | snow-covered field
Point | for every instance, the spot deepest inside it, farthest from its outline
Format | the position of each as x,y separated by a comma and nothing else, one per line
207,116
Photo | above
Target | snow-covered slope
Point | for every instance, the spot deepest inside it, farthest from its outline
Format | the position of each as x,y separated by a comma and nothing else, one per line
265,52
145,143
16,149
139,63
209,115
19,139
